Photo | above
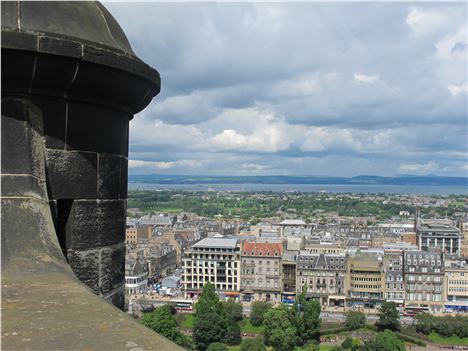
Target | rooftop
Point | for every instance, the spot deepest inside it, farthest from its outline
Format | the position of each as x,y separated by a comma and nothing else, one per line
217,242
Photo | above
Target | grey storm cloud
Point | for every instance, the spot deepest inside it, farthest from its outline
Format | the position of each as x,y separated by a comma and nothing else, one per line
301,88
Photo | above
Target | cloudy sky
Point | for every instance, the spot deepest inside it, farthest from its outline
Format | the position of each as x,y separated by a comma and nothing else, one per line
318,88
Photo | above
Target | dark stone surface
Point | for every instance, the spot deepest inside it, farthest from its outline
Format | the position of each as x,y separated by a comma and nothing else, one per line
109,176
21,130
85,265
65,148
112,268
17,80
84,21
71,175
95,223
23,185
53,75
124,179
116,297
54,111
98,129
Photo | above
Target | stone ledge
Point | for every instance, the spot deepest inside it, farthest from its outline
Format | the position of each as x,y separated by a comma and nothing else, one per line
52,311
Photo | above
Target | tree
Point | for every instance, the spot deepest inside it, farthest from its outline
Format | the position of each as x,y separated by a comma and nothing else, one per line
347,343
389,317
424,322
355,320
311,346
233,310
384,341
306,318
210,323
252,345
258,311
279,331
163,322
233,334
233,313
217,346
208,329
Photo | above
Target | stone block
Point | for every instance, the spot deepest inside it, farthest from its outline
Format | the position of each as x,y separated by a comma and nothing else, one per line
85,265
22,149
124,178
54,112
95,128
116,297
109,176
23,185
112,268
96,223
53,75
17,70
71,175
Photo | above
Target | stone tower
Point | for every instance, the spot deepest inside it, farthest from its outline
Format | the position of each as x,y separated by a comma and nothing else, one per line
70,85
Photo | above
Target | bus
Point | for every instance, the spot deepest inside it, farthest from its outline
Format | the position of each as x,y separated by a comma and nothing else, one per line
183,305
412,311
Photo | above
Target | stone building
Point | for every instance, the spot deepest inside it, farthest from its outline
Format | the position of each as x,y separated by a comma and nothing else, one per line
365,286
424,279
324,275
394,282
289,263
456,286
439,233
215,260
261,276
136,273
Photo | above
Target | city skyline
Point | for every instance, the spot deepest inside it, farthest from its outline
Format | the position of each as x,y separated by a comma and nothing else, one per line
301,89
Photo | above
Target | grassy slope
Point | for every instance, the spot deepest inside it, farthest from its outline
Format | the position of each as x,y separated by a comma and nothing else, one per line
452,340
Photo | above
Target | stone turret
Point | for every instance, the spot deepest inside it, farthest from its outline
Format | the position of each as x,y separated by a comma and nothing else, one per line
70,85
72,62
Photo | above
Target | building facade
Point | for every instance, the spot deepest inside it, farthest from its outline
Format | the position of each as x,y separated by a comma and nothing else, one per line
456,286
215,260
324,276
261,277
424,279
366,281
439,234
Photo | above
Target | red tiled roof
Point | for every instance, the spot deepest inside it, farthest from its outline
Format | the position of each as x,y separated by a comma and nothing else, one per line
262,249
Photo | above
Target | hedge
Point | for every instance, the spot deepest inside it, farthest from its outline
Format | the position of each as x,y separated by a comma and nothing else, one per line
334,331
410,339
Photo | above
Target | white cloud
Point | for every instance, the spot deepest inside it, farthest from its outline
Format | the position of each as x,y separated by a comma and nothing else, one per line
366,78
135,164
346,88
418,167
427,21
458,89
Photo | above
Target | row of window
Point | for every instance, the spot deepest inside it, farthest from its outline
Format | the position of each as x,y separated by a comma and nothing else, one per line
366,286
253,283
260,262
464,289
424,297
420,278
260,271
312,259
423,262
364,279
424,287
260,253
458,282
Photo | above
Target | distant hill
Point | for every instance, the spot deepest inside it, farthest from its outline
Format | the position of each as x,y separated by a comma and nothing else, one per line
358,180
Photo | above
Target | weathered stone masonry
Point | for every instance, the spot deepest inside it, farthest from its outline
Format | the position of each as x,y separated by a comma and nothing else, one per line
70,77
